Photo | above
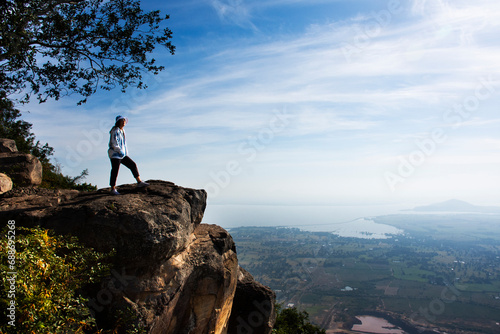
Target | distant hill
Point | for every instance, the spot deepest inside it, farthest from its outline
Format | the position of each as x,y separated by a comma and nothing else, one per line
455,205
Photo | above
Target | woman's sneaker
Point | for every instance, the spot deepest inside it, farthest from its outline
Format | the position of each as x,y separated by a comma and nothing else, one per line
115,192
142,184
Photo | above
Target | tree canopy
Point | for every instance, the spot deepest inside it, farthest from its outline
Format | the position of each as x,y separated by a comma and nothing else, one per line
291,320
53,48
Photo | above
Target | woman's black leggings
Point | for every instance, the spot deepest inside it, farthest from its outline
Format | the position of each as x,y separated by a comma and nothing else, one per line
115,167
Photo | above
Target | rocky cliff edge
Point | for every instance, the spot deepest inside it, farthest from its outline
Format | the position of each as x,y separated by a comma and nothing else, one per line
175,274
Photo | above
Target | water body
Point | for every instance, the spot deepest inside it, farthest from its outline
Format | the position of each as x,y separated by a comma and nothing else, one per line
376,325
362,228
345,221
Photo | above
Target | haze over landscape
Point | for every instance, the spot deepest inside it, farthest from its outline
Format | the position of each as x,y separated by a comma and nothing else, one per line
343,103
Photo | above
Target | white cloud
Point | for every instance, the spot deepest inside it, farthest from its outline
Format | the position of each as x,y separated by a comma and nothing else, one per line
234,11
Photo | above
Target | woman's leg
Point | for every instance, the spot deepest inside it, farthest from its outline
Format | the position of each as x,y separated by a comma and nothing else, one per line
115,167
130,164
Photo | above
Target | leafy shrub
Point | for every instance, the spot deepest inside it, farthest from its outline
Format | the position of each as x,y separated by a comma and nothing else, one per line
53,179
50,272
291,320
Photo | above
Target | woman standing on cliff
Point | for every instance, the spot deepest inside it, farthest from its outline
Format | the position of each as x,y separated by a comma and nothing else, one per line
118,154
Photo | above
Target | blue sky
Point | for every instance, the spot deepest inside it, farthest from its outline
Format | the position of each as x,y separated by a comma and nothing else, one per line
285,102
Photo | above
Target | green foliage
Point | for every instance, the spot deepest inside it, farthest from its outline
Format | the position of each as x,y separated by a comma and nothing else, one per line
124,322
293,321
53,48
50,271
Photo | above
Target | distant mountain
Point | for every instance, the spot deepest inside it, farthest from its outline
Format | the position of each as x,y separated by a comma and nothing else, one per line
455,205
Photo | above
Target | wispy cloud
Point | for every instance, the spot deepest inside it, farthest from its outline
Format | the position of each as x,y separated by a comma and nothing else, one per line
396,69
234,11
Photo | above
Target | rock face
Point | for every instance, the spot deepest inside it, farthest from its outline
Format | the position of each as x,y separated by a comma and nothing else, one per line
175,274
5,183
205,276
7,145
253,306
24,169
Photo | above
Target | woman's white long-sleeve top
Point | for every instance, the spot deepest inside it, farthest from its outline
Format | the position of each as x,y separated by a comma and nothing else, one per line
117,144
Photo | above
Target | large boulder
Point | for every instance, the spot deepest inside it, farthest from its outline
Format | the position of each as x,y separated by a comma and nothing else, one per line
173,273
24,169
5,183
7,145
144,225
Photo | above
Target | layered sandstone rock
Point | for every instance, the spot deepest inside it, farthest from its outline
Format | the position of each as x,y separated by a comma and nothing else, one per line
175,274
5,183
7,145
24,169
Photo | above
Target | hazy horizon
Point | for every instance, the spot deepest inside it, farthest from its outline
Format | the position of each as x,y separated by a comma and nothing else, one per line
307,216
